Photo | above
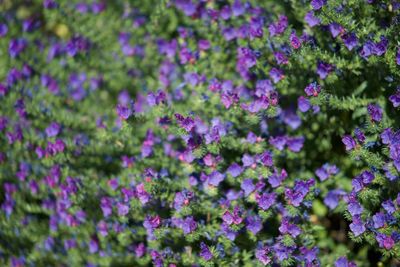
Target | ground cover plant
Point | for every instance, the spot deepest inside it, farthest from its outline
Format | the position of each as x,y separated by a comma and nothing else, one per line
200,133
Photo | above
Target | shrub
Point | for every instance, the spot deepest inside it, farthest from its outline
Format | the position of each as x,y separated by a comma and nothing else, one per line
199,133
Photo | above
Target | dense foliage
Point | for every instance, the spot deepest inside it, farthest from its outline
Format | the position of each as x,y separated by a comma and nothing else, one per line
199,133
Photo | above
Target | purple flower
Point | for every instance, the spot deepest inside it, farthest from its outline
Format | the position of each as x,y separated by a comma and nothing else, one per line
276,75
123,112
335,29
375,112
266,200
359,135
350,40
254,224
385,241
389,206
332,198
317,4
262,255
380,47
326,171
16,46
296,195
311,19
247,160
354,207
349,142
276,178
343,262
280,58
3,29
395,98
309,255
53,129
294,41
295,144
93,245
288,228
357,226
247,186
323,69
278,27
313,89
398,57
237,8
379,220
215,178
188,225
106,206
235,170
265,158
256,28
122,209
303,104
186,123
205,252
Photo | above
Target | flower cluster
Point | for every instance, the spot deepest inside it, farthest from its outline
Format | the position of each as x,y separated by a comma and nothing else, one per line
200,133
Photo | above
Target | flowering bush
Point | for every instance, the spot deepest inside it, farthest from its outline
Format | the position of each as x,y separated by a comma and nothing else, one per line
200,133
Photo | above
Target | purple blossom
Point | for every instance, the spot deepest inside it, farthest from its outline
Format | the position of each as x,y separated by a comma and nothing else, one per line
350,40
280,58
205,252
311,19
354,207
262,255
278,27
276,75
266,200
186,123
395,98
380,47
385,241
235,170
313,89
357,226
389,206
288,228
332,198
335,29
296,195
3,29
295,144
16,46
379,220
343,262
349,142
215,178
359,135
276,178
375,112
247,186
323,69
317,4
303,104
123,209
254,224
123,112
188,225
294,40
53,129
398,57
326,171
